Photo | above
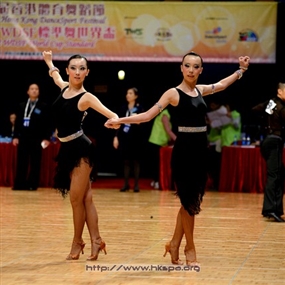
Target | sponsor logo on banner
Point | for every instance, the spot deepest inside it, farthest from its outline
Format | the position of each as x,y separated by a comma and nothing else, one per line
163,34
216,34
134,32
248,36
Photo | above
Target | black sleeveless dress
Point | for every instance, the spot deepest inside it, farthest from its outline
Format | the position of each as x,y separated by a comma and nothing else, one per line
68,120
189,153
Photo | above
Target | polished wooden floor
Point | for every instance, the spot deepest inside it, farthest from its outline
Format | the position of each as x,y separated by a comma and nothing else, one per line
234,243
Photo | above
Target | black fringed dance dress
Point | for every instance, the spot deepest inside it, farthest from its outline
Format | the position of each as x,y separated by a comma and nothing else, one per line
68,120
189,153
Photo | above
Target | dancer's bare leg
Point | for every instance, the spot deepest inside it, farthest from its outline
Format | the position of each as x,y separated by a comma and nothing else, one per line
92,222
188,226
78,188
177,237
91,215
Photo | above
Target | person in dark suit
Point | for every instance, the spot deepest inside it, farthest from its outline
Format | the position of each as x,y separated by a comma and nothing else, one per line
272,113
31,133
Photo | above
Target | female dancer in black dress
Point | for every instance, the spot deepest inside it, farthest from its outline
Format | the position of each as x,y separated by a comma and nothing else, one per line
76,157
189,152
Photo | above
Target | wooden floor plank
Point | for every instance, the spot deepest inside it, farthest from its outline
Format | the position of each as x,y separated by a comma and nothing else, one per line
235,244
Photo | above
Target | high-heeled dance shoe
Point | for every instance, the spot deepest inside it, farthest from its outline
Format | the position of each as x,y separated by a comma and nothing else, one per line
76,256
101,246
189,259
168,249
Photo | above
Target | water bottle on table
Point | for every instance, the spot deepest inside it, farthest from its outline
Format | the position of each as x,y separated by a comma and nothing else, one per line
248,142
243,140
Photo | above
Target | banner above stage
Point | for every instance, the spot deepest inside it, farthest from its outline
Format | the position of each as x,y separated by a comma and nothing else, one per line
138,31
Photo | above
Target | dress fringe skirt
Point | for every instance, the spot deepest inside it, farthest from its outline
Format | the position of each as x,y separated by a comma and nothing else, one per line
69,157
189,170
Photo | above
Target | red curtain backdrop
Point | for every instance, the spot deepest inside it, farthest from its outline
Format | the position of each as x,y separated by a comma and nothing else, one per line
8,161
242,169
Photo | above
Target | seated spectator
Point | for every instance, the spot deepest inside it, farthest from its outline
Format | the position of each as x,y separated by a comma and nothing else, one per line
231,131
7,131
12,125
